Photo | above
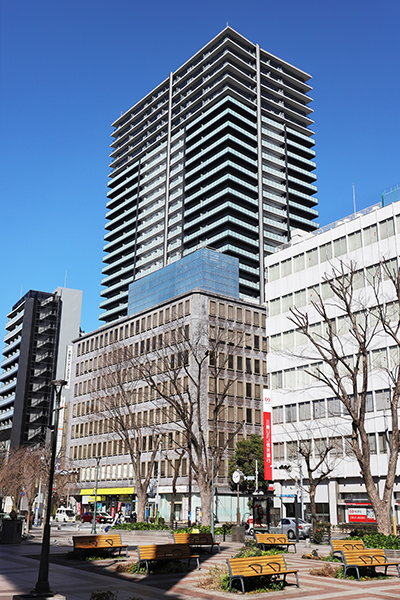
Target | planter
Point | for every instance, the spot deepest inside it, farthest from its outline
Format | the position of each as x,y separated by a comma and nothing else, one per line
392,554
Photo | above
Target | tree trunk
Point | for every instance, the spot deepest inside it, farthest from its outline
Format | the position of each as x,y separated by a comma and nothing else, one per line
141,495
205,497
313,508
380,507
172,513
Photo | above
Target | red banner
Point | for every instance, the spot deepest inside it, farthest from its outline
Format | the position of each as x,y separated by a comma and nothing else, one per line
267,422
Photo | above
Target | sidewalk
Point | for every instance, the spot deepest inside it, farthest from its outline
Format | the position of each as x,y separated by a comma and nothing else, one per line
76,580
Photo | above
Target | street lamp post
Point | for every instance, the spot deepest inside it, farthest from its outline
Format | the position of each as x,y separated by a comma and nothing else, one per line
98,459
42,586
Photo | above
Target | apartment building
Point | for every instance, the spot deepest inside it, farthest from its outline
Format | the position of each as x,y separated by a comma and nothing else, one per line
195,314
304,408
219,154
39,331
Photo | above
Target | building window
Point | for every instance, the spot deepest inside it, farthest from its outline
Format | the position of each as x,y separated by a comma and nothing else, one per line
300,298
290,378
249,416
278,450
298,263
372,443
354,240
370,234
382,399
276,380
287,302
313,293
325,252
286,267
231,312
277,415
312,257
273,273
319,409
339,246
334,407
274,307
290,413
304,411
291,451
386,228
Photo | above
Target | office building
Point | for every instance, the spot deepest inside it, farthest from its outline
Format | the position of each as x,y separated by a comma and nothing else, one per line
39,332
152,335
304,409
220,154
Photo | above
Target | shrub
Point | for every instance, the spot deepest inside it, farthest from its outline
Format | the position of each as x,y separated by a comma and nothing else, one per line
326,571
215,578
206,529
171,566
322,529
141,526
376,540
103,595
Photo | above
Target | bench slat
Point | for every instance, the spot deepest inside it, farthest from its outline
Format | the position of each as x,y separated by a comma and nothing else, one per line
366,557
155,552
255,566
100,542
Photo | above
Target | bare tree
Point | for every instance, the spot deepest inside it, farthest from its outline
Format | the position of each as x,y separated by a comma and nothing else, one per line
21,474
115,403
346,361
186,373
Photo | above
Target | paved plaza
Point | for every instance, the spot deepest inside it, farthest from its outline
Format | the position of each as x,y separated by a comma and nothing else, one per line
76,580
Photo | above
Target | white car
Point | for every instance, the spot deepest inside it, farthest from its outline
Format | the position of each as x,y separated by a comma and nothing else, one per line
64,515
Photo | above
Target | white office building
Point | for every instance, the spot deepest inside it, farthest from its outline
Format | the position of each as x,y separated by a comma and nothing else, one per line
302,407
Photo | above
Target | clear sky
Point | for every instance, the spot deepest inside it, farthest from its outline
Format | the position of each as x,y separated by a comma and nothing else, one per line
69,68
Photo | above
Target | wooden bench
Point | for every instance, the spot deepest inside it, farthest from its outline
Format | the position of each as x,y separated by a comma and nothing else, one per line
256,566
337,546
366,557
273,539
111,541
155,552
196,539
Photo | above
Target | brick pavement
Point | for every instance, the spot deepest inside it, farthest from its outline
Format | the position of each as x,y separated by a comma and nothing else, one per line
76,580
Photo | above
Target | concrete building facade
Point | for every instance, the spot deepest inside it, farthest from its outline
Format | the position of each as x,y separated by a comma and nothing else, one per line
154,329
220,154
304,408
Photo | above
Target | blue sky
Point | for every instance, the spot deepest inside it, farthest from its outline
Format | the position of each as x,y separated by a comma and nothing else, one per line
70,68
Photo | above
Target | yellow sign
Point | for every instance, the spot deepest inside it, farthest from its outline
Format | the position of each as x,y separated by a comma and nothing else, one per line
109,491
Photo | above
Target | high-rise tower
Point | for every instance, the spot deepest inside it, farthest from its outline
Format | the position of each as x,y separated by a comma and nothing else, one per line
219,154
39,331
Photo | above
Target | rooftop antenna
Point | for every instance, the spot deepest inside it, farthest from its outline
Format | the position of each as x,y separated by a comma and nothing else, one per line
20,294
65,279
354,199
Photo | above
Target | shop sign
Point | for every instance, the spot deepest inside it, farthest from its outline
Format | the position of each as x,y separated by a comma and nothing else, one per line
267,422
361,515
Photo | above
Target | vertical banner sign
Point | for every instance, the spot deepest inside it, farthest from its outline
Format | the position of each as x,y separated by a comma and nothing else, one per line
267,421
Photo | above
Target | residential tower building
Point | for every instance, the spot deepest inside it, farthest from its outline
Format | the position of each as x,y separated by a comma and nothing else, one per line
219,154
38,337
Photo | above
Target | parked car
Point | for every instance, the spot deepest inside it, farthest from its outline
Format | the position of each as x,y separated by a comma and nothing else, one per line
101,517
64,515
288,526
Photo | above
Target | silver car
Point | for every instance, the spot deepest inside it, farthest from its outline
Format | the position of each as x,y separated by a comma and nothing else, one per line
288,526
